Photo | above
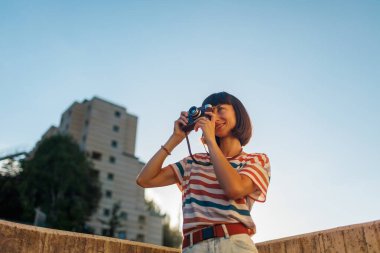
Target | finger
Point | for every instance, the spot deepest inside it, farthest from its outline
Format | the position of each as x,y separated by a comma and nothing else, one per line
184,119
183,113
196,127
211,115
181,122
200,119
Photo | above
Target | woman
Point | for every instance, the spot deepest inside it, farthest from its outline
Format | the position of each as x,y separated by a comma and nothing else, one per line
217,192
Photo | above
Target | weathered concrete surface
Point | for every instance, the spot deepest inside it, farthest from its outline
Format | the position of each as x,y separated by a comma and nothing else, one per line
358,238
19,238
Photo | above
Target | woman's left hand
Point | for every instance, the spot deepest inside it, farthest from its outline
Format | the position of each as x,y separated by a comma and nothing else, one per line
207,125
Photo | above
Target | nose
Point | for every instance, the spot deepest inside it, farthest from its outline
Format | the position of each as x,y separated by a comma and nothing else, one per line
218,119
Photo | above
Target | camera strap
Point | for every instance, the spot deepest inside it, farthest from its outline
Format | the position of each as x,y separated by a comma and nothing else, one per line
189,148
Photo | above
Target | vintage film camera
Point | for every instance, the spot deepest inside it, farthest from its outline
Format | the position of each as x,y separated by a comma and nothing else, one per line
194,113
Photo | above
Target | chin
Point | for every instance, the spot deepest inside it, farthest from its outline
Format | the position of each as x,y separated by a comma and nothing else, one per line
221,135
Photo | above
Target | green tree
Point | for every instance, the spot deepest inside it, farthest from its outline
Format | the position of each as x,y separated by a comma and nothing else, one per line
115,221
172,237
61,182
10,204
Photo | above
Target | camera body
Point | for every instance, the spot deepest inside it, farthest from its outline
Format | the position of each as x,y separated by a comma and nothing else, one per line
194,113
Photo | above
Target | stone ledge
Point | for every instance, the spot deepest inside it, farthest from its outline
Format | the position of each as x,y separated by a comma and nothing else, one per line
20,238
357,238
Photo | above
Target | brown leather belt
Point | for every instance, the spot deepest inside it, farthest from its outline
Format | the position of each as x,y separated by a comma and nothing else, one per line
215,231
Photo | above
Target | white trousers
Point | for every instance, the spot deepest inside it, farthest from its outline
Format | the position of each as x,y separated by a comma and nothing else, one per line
240,243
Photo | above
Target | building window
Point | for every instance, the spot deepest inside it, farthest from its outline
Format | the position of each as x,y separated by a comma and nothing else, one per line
86,123
117,114
96,155
140,238
116,128
108,194
123,215
84,138
67,127
142,219
122,234
96,173
110,176
106,212
114,143
112,159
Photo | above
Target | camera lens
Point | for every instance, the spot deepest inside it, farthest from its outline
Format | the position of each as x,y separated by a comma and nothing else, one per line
208,106
194,112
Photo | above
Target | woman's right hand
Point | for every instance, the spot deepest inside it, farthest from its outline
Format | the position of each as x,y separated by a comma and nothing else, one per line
178,124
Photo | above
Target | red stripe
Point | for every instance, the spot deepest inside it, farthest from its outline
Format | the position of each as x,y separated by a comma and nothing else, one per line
258,171
251,158
197,219
261,174
201,156
200,182
265,185
261,160
203,175
209,194
263,188
266,158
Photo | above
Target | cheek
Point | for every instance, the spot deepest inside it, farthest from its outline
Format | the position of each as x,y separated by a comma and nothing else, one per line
232,120
233,124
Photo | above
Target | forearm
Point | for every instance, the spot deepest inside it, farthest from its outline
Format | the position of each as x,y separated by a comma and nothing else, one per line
154,165
229,179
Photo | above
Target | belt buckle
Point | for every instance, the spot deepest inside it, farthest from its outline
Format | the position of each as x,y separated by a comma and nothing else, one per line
208,233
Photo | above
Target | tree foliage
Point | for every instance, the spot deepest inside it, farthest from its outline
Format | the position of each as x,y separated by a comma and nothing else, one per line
60,181
172,237
115,221
10,204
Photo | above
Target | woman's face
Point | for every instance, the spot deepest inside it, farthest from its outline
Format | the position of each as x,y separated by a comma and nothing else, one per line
225,120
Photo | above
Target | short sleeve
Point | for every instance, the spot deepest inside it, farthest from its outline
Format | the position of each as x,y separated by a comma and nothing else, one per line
179,171
257,168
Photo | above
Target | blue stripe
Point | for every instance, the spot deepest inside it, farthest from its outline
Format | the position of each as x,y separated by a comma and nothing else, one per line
237,165
201,163
219,206
234,165
179,165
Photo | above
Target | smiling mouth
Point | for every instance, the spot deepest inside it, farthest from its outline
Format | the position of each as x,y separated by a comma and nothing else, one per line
219,126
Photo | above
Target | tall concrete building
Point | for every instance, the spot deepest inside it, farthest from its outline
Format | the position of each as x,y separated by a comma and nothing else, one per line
107,133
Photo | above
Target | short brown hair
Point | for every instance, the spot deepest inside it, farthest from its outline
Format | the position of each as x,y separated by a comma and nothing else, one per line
243,128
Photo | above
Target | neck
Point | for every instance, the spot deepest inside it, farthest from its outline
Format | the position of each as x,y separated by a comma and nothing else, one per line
230,146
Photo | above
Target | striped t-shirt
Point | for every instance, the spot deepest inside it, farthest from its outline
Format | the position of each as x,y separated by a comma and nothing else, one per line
204,202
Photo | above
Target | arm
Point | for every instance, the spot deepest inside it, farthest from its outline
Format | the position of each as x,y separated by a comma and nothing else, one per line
152,174
234,185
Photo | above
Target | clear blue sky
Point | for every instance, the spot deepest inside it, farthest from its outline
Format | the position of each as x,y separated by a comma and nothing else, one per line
307,71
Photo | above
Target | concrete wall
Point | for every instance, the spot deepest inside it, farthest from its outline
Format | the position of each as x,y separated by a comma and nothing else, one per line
19,238
359,238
